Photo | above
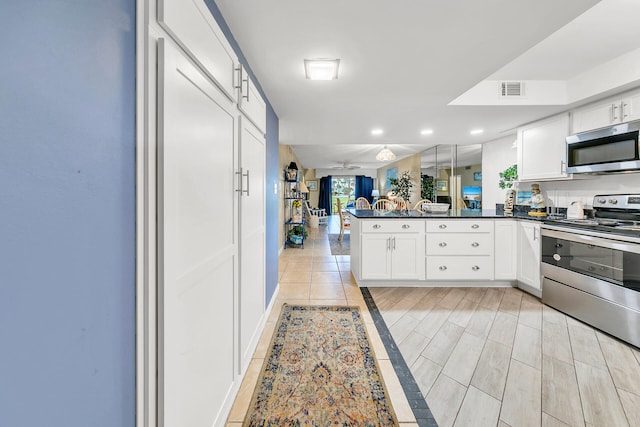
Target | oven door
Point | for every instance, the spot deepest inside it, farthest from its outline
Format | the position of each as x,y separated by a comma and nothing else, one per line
593,264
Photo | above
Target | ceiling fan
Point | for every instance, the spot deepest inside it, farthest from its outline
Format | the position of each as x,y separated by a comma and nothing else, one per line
346,165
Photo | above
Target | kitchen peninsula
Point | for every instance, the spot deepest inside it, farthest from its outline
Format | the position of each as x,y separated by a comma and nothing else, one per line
460,248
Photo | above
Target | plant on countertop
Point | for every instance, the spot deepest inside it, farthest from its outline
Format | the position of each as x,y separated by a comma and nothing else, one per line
427,188
402,185
508,177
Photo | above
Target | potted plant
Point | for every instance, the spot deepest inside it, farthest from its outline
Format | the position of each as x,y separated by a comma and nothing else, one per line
508,177
402,185
297,234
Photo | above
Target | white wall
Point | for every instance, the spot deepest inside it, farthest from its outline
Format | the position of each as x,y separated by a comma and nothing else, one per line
496,156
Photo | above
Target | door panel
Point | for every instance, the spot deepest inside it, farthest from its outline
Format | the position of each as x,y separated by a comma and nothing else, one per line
252,238
197,247
376,262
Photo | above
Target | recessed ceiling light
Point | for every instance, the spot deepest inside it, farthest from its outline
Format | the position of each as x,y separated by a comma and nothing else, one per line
321,69
476,131
376,132
426,131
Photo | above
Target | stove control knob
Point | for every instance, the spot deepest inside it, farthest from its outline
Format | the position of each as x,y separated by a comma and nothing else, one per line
602,200
613,201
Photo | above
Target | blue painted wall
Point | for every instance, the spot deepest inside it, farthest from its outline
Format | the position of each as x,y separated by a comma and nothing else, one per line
272,169
67,213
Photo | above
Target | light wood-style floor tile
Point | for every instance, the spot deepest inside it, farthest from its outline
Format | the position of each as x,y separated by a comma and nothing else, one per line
443,343
585,346
623,366
549,421
504,328
463,312
600,402
481,322
412,346
631,406
425,372
521,403
531,313
555,341
464,359
491,373
560,394
527,346
478,410
492,298
444,400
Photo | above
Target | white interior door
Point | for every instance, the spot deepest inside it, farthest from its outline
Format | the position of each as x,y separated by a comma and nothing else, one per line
252,238
197,243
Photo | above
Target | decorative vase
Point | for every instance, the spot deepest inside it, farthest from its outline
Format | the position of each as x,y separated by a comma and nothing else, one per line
296,240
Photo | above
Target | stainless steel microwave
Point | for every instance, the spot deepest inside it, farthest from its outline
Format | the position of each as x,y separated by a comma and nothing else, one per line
606,150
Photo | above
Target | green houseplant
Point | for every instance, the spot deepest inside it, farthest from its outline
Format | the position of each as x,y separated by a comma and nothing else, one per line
402,185
297,234
508,177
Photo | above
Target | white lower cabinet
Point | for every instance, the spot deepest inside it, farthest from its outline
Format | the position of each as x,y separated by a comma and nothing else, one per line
505,249
390,251
529,249
459,250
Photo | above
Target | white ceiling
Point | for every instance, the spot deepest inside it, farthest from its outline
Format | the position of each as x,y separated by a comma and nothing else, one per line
402,63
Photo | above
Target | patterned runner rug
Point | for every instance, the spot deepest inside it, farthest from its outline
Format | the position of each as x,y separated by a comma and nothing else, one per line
320,371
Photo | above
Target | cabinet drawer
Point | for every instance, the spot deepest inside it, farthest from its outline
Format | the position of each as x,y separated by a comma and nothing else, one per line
459,244
397,226
459,268
462,226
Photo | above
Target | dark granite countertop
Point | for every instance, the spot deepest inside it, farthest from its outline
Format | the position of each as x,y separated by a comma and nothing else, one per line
458,214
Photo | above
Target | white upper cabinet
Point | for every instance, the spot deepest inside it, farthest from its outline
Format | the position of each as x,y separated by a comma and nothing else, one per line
250,101
611,112
542,149
191,25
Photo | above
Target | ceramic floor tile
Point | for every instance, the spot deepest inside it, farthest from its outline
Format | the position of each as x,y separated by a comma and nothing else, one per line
492,298
412,346
396,393
295,276
443,343
326,291
463,312
298,266
478,409
623,366
527,346
490,375
504,328
600,401
324,266
560,394
464,358
631,405
243,398
585,346
445,399
325,277
555,341
425,372
531,313
521,405
549,421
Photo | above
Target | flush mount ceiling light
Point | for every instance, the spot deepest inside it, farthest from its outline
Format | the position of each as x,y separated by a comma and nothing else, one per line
426,131
376,132
321,69
476,132
385,155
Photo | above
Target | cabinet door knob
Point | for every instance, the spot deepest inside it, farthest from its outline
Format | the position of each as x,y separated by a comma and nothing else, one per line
376,226
405,226
442,244
474,226
443,226
475,268
475,244
442,267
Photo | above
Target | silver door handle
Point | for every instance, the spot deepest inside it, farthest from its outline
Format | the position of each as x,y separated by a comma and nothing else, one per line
241,190
624,110
442,268
389,243
535,233
475,268
442,226
563,168
247,95
394,243
474,226
442,244
475,244
239,86
614,116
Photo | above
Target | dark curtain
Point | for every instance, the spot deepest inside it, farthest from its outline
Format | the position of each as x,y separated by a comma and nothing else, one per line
324,196
364,187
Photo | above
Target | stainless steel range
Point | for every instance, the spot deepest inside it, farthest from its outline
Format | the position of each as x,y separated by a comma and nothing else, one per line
591,268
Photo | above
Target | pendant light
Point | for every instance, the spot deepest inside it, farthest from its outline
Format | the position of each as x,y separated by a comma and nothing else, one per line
385,155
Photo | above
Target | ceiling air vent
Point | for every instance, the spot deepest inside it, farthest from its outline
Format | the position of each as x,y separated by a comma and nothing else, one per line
511,89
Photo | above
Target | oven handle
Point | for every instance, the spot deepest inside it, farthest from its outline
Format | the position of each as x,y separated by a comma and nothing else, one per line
592,240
